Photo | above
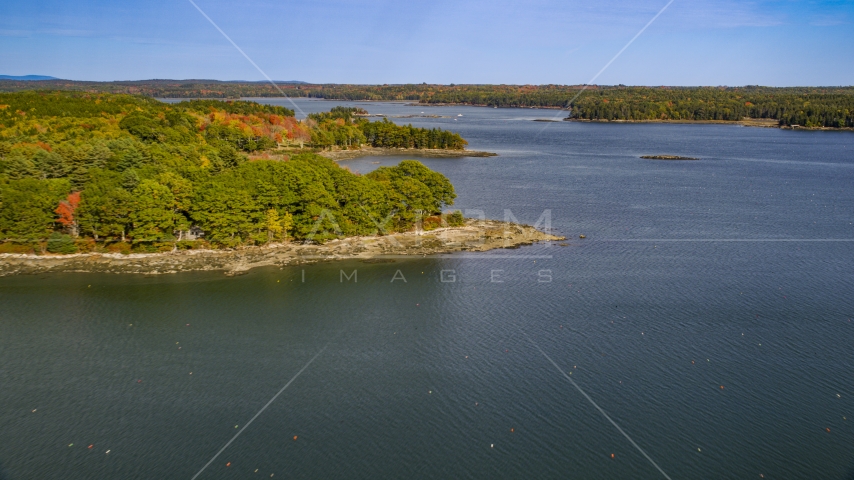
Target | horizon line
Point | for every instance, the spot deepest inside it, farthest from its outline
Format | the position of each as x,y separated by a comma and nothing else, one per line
16,78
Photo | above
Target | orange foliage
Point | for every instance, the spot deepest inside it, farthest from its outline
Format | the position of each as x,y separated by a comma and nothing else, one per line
275,127
66,209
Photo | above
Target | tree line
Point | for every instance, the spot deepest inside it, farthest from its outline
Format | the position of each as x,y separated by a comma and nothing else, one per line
83,172
829,107
833,110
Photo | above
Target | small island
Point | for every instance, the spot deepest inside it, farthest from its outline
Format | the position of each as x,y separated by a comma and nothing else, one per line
343,133
667,157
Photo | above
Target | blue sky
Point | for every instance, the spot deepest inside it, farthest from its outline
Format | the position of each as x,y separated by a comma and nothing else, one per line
714,42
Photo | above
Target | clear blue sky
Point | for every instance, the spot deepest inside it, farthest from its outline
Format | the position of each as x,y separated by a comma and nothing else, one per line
713,42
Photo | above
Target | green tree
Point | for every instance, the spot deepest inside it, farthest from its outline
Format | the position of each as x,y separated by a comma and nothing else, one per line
61,243
104,210
18,167
130,180
27,207
227,214
152,213
50,164
130,159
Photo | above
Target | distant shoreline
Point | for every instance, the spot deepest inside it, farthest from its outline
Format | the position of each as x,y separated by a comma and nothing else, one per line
417,104
753,122
417,152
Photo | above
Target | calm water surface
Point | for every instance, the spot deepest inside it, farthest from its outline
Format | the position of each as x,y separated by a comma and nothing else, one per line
719,345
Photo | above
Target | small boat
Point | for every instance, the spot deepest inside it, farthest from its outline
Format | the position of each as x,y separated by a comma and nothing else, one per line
459,114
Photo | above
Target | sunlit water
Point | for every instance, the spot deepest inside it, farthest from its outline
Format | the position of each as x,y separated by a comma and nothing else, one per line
720,350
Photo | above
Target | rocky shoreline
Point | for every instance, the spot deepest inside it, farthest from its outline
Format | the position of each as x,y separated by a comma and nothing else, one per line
667,157
746,122
415,152
453,104
475,236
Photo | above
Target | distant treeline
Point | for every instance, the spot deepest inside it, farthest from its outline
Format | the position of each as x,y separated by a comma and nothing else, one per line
82,171
834,110
831,107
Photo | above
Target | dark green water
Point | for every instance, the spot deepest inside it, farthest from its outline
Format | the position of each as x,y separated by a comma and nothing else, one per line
426,379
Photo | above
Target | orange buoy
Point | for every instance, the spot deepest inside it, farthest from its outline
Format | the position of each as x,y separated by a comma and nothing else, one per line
228,464
295,437
612,455
90,446
512,430
828,431
722,387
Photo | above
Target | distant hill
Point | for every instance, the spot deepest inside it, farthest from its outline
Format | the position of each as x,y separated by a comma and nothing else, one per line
27,77
289,82
200,81
154,80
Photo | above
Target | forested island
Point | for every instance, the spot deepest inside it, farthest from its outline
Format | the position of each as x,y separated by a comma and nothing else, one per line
805,107
99,172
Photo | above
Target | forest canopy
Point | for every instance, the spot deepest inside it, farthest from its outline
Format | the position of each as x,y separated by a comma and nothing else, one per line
82,171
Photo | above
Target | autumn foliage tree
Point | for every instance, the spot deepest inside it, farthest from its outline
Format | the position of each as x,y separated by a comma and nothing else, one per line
65,210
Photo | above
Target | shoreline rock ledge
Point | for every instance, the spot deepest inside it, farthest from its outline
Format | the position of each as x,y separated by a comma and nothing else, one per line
667,157
474,236
413,152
